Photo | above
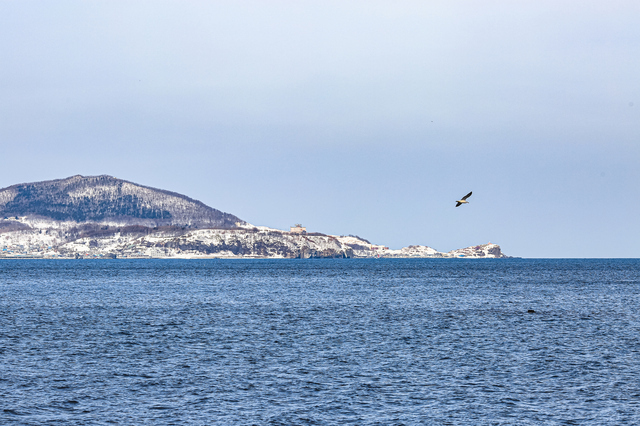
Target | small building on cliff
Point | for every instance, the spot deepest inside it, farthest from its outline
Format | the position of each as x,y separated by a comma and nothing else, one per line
298,229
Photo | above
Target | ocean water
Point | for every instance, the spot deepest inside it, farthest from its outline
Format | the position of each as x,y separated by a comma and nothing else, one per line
320,342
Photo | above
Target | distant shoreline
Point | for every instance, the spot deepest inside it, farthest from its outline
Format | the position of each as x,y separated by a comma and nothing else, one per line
252,258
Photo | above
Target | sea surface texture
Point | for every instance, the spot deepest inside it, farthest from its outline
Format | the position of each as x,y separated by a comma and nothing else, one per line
320,342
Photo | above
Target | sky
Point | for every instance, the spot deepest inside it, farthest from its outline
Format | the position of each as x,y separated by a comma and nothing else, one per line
368,118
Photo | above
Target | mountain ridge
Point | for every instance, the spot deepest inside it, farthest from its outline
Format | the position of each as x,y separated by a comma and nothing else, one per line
105,198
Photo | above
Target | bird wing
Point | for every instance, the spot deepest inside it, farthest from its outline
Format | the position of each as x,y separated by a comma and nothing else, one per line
459,204
467,196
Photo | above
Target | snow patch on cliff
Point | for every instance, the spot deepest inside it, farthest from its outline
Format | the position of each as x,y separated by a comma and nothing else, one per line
42,237
488,250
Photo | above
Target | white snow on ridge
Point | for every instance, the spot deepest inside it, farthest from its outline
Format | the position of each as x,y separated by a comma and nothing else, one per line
106,191
352,240
416,251
47,238
488,250
7,196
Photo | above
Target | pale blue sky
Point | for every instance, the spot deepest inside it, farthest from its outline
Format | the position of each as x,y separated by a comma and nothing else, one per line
361,117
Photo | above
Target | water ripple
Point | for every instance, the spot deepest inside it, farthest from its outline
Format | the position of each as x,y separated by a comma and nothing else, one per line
375,342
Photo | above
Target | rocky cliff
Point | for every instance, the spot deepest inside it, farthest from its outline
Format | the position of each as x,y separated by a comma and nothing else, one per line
50,239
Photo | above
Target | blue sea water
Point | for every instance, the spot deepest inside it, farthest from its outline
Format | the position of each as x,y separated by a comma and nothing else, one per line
324,342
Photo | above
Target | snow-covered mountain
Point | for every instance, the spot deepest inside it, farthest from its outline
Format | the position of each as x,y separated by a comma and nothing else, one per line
105,199
105,217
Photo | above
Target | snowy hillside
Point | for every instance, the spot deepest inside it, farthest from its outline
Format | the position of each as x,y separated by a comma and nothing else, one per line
64,239
27,237
107,199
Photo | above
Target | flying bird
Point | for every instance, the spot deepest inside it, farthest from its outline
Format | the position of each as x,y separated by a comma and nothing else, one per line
464,200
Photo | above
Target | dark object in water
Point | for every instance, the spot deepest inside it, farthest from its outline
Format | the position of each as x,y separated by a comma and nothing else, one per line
531,311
